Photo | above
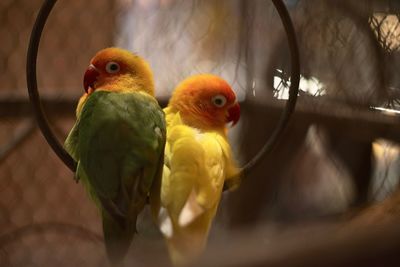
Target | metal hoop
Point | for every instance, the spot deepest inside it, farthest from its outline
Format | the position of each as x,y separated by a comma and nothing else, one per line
31,80
293,90
67,159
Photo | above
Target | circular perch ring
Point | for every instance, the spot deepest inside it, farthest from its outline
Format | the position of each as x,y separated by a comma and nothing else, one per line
67,159
31,80
293,90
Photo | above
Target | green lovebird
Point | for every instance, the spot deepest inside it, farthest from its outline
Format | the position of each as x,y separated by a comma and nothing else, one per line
118,141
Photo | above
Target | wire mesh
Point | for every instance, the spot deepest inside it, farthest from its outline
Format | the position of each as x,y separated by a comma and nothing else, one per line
46,219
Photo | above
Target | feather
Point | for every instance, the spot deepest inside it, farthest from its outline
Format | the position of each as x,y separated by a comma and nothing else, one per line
195,168
190,211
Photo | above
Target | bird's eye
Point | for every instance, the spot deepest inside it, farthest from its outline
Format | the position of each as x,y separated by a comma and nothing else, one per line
112,67
219,101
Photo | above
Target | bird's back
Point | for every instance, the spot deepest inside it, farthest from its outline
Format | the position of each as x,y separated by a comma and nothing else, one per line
195,167
118,142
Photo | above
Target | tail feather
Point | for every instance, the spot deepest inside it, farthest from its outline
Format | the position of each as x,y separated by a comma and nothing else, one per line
117,237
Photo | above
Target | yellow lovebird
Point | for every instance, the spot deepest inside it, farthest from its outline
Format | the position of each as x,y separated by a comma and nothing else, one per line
198,159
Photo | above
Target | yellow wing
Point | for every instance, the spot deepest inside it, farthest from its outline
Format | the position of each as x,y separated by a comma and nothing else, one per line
195,168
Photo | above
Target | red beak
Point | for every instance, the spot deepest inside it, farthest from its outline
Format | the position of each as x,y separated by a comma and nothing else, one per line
233,114
90,78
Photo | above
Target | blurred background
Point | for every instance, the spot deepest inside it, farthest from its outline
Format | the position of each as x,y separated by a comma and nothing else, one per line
337,160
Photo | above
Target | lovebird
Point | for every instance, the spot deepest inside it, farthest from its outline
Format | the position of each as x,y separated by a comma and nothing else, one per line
118,142
198,160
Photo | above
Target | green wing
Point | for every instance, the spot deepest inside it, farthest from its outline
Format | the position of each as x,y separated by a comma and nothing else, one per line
121,138
118,142
71,143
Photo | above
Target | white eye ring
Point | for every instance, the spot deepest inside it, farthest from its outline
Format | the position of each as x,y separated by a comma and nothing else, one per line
219,101
112,67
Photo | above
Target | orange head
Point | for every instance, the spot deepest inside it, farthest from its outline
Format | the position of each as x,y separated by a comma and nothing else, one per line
206,102
118,69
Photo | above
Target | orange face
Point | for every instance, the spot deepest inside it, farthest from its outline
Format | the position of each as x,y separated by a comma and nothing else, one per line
206,101
110,64
103,66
